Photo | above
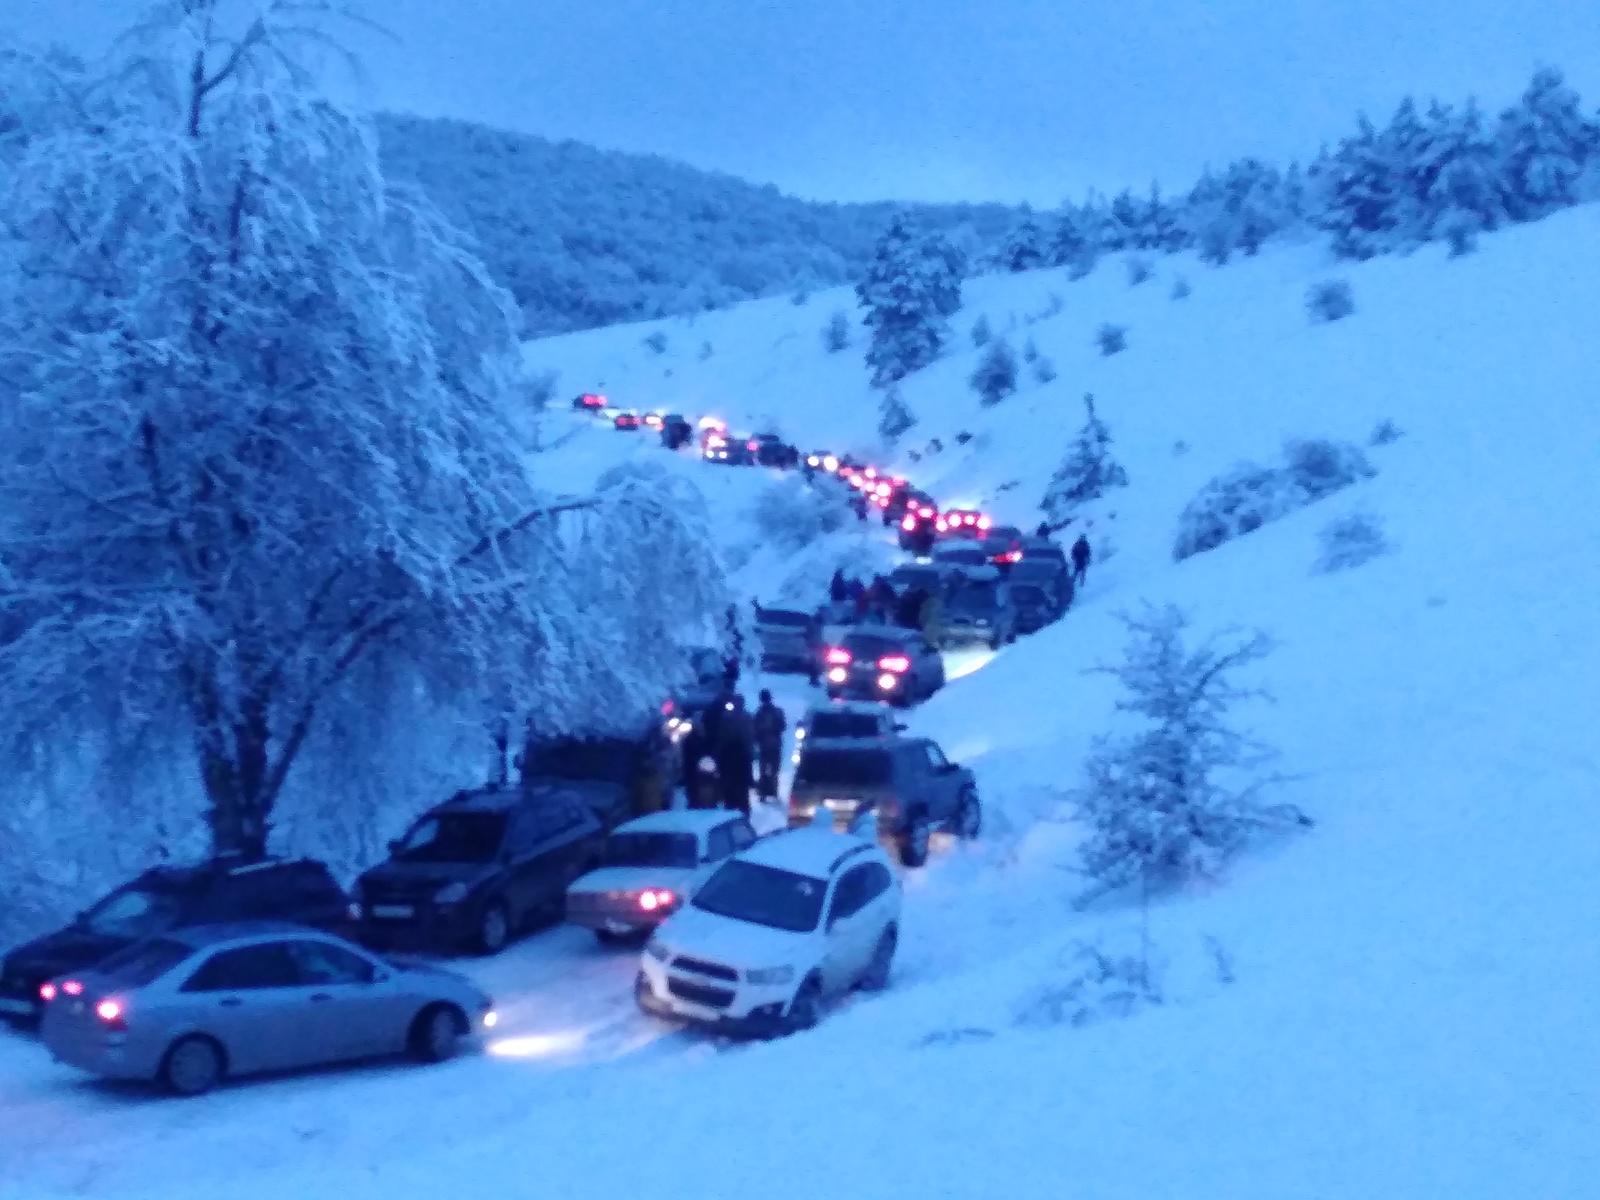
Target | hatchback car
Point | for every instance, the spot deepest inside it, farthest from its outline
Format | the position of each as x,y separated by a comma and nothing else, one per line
1043,549
790,640
845,719
883,662
730,451
651,866
589,402
910,785
478,868
200,1005
798,918
167,898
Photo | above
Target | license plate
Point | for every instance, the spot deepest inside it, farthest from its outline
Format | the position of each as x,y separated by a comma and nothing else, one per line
618,927
393,911
20,1008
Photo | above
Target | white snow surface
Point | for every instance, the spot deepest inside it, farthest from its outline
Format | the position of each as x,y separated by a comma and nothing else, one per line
1400,1002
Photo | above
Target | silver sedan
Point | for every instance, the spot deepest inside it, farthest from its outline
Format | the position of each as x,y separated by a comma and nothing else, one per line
197,1006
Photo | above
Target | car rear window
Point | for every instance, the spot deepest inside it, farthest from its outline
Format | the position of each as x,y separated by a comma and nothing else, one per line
843,725
144,962
136,911
652,850
763,895
865,645
859,768
902,580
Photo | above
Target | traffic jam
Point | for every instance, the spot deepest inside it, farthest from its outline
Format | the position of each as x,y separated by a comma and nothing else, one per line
747,918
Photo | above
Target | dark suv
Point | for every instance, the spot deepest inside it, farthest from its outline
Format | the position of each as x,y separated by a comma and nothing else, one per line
477,869
883,662
908,781
1042,590
167,898
980,610
790,640
772,451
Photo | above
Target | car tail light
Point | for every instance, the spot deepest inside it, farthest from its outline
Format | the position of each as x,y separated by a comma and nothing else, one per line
1014,556
830,463
881,501
47,992
887,682
924,512
898,663
871,472
984,522
908,524
753,444
837,656
654,901
72,988
110,1012
838,675
942,525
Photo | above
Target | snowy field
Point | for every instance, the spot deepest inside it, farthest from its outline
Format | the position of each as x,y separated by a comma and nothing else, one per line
1399,1003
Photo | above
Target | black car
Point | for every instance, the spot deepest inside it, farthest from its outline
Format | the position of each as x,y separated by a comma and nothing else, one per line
1043,591
981,610
1003,545
772,451
167,898
790,640
908,781
1043,549
676,431
475,870
967,555
883,662
731,451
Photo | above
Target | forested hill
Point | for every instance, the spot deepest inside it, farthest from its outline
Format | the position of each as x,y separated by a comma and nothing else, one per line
586,237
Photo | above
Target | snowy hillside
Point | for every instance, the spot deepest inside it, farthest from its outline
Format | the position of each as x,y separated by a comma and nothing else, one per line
1399,1003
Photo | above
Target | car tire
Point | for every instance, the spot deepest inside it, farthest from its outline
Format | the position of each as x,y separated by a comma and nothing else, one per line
968,823
805,1010
193,1065
494,928
915,841
437,1033
876,977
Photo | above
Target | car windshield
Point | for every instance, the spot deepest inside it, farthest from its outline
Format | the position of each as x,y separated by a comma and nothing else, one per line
136,911
144,962
466,837
844,768
763,895
652,850
864,646
976,599
843,725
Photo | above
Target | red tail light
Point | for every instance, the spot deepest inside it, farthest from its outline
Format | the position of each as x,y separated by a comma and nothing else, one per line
984,522
752,444
908,524
871,472
942,525
924,512
899,664
47,992
654,901
72,987
110,1012
837,656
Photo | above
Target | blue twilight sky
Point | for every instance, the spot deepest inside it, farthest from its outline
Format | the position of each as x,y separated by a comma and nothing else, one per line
938,99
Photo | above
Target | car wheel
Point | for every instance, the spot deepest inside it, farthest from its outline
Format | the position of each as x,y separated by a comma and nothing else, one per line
494,928
914,843
805,1010
876,977
437,1032
193,1065
969,816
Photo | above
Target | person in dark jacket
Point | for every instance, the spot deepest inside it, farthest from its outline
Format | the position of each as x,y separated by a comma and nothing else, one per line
908,612
882,600
769,725
1080,559
838,589
735,752
1043,530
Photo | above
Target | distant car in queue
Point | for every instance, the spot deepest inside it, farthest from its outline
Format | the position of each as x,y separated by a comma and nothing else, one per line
883,662
676,431
962,523
1003,545
729,451
772,451
790,640
589,402
846,719
628,421
968,556
982,611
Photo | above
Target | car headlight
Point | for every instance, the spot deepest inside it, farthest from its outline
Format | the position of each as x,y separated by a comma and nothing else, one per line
767,976
451,893
657,949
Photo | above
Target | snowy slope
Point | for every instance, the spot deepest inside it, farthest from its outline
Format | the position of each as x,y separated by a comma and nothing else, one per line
1407,1005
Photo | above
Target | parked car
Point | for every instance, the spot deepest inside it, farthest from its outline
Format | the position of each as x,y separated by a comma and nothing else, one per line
655,421
730,451
616,777
651,866
970,556
908,782
980,610
1003,545
474,871
676,431
823,460
790,639
846,719
935,578
962,522
589,402
883,662
1043,549
1042,590
772,451
196,1006
692,701
782,927
629,421
166,898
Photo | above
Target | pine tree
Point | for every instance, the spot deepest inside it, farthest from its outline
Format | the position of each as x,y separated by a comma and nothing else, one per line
995,377
1024,247
1463,187
1360,206
1173,802
894,415
1545,142
911,287
1072,243
1087,472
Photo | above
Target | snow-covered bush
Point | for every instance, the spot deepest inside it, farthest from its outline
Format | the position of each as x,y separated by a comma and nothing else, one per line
995,376
1044,371
1178,798
1329,300
1322,466
1349,541
656,343
836,333
1030,352
1099,985
894,415
790,515
1112,339
1086,473
981,332
706,351
1139,269
1384,433
541,389
1181,289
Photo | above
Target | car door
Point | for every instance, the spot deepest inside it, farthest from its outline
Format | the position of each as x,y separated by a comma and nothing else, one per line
251,999
718,846
943,781
847,931
351,1011
530,854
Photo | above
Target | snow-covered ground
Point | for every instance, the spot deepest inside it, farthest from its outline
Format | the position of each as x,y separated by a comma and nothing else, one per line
1399,1003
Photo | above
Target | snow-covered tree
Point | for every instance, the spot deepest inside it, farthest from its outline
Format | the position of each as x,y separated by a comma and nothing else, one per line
894,415
1072,244
1180,797
995,376
910,290
1545,141
1463,186
1024,248
1361,187
836,333
982,331
1086,473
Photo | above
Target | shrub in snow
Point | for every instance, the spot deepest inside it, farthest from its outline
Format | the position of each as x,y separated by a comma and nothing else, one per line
1052,306
1112,339
656,342
541,388
894,417
1044,371
963,437
1322,466
1329,300
1384,433
1349,541
1024,248
1179,797
1181,289
1030,352
981,332
1098,985
911,289
995,376
1180,448
1139,269
790,516
1086,473
836,333
705,351
934,446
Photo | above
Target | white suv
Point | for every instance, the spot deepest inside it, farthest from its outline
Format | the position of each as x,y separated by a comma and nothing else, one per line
800,916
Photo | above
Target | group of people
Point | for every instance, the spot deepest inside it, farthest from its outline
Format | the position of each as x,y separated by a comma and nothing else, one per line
730,750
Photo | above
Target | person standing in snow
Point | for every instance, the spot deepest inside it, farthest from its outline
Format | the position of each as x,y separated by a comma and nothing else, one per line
769,725
838,589
735,752
1080,559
